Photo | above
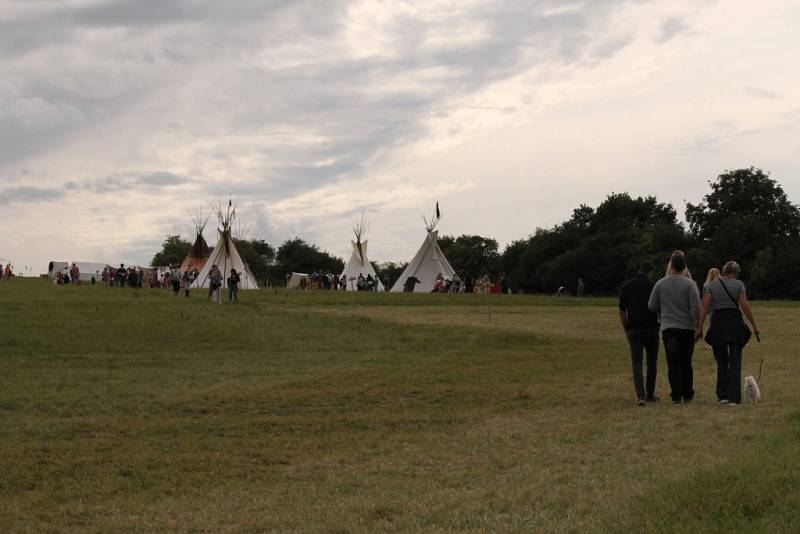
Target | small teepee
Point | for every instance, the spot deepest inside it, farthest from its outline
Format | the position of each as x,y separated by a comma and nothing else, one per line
225,255
199,253
428,262
359,263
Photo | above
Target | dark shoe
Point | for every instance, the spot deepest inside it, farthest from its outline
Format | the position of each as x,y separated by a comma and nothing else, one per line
676,402
642,402
653,399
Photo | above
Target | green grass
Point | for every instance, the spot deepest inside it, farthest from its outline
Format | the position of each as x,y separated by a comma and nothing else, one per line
327,412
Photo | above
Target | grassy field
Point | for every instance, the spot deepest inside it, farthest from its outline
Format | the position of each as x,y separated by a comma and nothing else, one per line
330,412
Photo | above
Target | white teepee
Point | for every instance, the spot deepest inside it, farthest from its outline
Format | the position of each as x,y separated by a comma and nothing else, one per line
225,256
359,263
428,262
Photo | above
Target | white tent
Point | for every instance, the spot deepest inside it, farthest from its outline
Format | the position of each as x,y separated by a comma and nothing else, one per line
359,263
89,269
294,281
428,262
225,256
56,267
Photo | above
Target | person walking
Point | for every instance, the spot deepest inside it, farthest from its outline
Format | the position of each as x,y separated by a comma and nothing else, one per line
726,297
214,283
233,286
175,278
188,278
641,328
676,301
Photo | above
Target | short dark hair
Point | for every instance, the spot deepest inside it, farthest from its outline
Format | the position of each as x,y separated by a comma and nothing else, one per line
645,267
678,262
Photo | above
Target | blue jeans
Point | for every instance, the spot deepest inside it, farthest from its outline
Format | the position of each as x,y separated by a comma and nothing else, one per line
641,340
679,346
729,371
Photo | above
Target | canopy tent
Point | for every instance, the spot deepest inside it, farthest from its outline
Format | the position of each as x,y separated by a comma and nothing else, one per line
359,263
428,262
294,280
89,269
225,255
55,267
199,253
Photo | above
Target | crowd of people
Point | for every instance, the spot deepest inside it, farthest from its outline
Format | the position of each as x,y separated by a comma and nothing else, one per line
674,306
6,272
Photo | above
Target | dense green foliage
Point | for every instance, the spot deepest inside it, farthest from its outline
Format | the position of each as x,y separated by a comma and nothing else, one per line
259,255
295,255
389,272
173,251
471,256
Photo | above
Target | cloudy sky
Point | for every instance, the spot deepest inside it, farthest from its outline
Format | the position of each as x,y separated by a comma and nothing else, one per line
115,116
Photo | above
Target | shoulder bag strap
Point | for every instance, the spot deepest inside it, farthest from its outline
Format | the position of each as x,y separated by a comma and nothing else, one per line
735,302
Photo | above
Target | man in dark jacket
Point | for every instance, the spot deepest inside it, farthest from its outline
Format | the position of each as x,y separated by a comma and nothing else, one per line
641,327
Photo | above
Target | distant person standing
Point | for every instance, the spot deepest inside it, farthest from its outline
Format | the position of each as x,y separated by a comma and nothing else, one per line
75,274
188,278
581,287
233,286
121,275
175,277
214,283
641,328
676,301
410,284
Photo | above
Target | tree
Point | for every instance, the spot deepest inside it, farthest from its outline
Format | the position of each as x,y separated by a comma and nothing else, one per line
746,213
258,255
295,255
471,256
389,272
744,196
602,245
173,251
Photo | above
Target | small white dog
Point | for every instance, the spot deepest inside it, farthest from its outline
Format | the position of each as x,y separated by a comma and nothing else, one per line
752,393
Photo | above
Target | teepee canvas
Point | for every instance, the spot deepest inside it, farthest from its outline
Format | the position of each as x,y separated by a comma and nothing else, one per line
199,253
359,263
428,262
225,255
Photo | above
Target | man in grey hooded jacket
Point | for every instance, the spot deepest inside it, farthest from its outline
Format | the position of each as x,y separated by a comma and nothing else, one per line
677,302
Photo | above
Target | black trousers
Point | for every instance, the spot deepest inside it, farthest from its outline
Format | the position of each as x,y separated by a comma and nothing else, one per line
679,346
729,371
641,341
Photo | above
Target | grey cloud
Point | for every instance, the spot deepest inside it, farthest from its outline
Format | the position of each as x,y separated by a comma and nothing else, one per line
760,92
29,194
124,182
337,98
670,28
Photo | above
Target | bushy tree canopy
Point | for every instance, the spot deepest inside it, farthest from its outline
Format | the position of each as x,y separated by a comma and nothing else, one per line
173,251
471,256
295,255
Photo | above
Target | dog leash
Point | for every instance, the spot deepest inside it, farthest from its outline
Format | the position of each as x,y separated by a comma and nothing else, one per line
759,369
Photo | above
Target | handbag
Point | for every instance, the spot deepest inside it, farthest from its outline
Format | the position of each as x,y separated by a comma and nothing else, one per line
744,329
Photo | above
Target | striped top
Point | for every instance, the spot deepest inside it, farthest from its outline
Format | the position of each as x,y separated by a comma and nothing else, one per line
719,298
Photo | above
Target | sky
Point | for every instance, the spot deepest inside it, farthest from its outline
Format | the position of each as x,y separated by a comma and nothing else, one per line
117,118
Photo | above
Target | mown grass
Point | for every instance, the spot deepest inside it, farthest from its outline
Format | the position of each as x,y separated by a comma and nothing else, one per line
323,412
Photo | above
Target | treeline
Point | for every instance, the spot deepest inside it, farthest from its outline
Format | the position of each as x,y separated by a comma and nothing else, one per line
746,217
